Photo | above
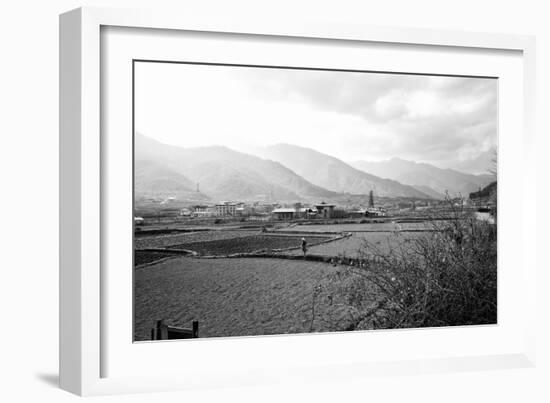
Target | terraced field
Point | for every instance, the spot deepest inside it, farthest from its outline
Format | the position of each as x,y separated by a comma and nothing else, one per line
351,246
370,227
163,241
252,296
146,257
246,244
273,294
235,297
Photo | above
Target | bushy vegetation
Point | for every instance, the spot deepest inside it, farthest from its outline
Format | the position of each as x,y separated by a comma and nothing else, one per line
447,277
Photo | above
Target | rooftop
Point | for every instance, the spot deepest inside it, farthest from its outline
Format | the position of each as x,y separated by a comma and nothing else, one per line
284,210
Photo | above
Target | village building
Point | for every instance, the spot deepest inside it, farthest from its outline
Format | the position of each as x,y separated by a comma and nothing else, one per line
283,214
185,212
203,210
375,212
262,208
199,209
225,208
307,212
325,210
244,210
358,213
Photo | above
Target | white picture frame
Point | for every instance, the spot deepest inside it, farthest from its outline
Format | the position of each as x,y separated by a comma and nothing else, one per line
83,340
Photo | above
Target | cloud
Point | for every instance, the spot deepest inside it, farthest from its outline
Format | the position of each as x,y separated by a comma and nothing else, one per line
448,121
426,118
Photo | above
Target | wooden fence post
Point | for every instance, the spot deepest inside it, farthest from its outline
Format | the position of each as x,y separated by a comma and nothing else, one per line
162,330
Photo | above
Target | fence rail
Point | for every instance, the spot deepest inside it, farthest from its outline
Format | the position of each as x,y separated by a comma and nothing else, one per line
162,331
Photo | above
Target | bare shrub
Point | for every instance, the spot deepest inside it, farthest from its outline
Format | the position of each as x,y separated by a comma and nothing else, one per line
446,278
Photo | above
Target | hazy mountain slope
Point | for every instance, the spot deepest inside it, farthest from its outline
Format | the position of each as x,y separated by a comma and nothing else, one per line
486,178
429,191
334,174
423,176
152,179
151,174
225,174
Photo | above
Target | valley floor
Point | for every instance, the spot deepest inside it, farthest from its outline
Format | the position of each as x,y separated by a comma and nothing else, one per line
182,277
234,297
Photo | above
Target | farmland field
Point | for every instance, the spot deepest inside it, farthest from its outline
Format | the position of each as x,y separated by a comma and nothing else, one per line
146,257
162,241
234,297
246,244
229,241
250,296
368,227
350,246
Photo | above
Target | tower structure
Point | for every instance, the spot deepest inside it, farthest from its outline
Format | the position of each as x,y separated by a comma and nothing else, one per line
371,199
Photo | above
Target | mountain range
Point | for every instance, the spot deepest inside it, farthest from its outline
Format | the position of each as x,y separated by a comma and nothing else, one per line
152,179
222,173
282,173
427,178
334,174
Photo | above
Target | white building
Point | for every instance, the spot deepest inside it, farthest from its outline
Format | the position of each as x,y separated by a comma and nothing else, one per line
227,209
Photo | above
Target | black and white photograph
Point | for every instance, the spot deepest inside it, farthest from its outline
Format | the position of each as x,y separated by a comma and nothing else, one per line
274,200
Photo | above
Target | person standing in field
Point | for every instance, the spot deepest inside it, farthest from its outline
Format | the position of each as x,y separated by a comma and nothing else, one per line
304,246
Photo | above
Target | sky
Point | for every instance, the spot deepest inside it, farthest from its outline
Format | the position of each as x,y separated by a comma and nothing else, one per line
450,122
